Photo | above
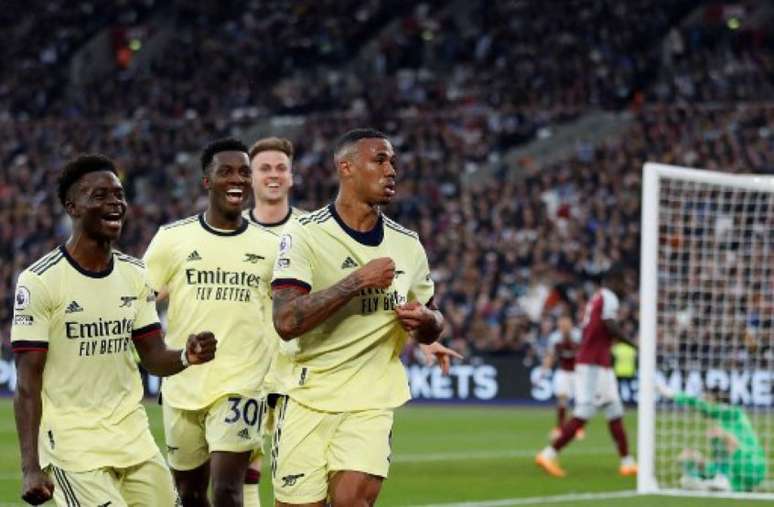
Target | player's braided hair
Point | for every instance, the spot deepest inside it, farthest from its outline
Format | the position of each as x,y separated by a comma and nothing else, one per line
76,168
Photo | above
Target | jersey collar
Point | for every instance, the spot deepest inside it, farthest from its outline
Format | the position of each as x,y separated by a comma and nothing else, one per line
239,230
373,237
271,224
91,274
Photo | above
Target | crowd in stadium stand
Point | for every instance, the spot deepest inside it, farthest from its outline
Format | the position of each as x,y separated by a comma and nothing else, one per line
509,254
228,55
713,64
36,45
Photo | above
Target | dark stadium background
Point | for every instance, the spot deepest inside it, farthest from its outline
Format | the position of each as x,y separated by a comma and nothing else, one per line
521,128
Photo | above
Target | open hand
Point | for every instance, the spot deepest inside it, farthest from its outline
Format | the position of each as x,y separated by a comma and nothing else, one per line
200,347
37,488
437,352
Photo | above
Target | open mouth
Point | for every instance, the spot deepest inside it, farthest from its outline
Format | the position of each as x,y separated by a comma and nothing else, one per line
273,188
113,219
235,195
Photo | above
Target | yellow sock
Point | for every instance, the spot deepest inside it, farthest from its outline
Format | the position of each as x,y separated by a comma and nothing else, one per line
250,496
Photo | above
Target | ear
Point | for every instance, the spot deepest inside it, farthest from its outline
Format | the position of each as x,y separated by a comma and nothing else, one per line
206,183
70,208
344,168
73,193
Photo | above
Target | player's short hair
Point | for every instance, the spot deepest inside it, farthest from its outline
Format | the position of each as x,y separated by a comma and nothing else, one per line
615,273
219,145
77,167
272,144
353,136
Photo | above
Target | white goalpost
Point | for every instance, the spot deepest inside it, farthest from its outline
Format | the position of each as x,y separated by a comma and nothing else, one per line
707,333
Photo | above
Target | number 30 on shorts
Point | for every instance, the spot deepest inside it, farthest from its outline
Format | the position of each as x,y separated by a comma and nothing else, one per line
251,411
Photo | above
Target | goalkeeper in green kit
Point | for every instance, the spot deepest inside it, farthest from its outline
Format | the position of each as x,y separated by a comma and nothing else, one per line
737,461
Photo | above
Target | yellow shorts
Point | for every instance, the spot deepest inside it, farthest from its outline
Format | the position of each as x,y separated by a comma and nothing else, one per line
147,483
231,423
267,425
308,445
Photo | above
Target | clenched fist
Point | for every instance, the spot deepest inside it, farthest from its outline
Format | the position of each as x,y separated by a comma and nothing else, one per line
37,487
377,274
200,347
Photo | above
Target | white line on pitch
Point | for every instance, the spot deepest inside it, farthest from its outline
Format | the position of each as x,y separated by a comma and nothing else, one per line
467,455
437,456
537,500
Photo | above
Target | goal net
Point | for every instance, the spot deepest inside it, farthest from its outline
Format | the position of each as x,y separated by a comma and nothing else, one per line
706,333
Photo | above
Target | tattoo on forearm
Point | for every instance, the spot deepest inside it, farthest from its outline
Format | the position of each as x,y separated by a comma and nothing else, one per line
430,332
295,313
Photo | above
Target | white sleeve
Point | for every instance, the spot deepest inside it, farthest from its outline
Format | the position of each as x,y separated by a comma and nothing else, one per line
577,336
610,305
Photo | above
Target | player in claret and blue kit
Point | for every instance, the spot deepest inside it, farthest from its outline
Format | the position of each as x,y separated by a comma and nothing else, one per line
562,349
595,383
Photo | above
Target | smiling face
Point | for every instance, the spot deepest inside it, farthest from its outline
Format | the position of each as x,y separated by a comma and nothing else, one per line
97,205
228,181
371,170
271,176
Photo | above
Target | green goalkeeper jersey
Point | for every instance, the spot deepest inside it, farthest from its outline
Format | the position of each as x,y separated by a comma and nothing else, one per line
747,464
732,419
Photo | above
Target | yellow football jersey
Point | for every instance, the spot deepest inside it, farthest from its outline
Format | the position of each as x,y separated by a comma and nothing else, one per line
276,226
351,361
217,281
92,415
271,382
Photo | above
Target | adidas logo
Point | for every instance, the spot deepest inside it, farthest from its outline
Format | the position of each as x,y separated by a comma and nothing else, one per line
73,307
348,263
193,256
244,434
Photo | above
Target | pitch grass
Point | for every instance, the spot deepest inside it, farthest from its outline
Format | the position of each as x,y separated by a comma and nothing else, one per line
446,454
